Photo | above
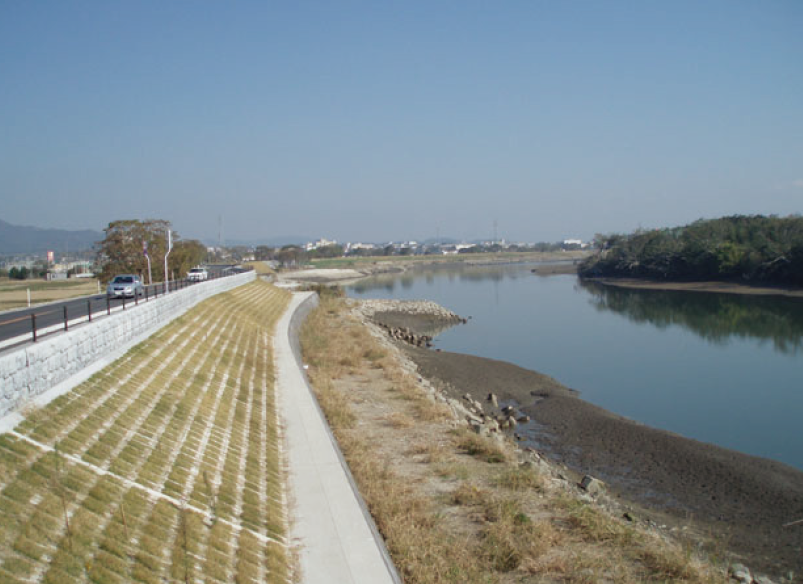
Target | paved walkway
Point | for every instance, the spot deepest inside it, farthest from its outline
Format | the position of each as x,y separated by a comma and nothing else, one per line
329,522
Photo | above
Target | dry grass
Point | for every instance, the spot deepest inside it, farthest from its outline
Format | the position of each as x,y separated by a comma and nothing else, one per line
468,493
455,506
482,447
399,420
260,268
13,293
431,452
162,467
520,478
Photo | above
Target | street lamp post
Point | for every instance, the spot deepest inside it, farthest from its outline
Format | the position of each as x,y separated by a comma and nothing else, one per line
169,248
147,257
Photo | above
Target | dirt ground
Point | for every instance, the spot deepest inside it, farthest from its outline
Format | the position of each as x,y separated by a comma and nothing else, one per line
736,501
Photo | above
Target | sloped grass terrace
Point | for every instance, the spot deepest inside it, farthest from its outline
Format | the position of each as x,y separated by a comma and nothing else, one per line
165,466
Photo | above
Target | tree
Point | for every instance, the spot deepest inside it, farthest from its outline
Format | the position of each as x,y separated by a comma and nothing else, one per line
290,255
238,252
121,251
754,249
327,251
263,252
186,255
16,273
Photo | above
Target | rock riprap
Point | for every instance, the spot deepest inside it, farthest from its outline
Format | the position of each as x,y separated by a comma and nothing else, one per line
412,321
370,308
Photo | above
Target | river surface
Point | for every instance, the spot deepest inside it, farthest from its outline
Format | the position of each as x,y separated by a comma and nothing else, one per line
720,368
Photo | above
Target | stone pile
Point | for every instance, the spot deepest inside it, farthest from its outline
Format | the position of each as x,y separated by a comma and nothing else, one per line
743,575
369,308
406,335
488,423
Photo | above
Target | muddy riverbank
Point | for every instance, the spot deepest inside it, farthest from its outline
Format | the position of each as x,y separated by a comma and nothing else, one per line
712,286
736,502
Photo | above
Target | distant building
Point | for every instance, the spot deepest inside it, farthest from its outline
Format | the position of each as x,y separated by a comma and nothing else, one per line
455,248
323,242
353,246
574,243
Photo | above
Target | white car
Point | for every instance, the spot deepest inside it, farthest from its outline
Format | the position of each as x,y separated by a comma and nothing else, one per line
197,275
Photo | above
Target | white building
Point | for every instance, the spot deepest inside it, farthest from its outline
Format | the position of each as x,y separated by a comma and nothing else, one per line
578,242
323,242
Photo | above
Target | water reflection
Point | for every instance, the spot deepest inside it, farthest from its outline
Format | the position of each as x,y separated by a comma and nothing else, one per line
714,317
460,273
699,379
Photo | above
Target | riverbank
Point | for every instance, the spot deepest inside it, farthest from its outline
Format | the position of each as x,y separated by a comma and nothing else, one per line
710,286
731,501
457,502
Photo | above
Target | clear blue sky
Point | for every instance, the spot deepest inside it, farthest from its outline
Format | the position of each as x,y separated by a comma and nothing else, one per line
388,120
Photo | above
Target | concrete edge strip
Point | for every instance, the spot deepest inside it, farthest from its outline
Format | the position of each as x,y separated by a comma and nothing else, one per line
296,320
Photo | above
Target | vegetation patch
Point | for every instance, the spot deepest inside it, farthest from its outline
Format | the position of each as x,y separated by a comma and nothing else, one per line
162,467
749,249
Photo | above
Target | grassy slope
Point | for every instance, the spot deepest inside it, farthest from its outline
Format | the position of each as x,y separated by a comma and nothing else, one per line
457,507
163,466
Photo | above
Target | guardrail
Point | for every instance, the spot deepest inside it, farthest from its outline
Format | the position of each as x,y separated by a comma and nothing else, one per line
107,306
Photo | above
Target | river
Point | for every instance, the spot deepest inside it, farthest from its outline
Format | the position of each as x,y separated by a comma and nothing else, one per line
721,368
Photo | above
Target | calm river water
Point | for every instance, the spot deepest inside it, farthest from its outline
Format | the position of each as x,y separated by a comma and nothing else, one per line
719,368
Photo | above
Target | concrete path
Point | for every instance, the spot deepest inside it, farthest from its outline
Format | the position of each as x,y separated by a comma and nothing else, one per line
337,539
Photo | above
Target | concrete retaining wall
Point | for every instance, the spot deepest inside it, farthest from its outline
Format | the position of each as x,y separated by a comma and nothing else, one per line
31,370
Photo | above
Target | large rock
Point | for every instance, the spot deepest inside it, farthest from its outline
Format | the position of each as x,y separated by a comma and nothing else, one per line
591,485
741,574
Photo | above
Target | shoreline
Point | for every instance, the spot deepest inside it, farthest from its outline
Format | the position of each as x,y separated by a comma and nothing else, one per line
545,265
719,495
703,286
353,271
715,491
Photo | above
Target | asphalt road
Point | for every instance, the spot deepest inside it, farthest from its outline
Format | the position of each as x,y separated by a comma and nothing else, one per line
18,324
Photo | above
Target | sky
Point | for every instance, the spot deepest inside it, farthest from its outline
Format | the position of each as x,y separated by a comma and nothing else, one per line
390,120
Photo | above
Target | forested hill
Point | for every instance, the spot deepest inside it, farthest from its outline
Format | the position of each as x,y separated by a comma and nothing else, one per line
751,249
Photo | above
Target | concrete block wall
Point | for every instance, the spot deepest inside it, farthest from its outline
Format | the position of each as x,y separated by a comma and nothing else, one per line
33,369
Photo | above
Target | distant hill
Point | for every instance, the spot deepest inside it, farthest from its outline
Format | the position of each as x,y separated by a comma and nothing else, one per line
16,239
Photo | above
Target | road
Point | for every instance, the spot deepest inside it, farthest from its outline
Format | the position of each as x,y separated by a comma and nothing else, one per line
17,326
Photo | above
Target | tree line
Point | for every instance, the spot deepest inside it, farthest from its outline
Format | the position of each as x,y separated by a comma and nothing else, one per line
754,249
290,255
